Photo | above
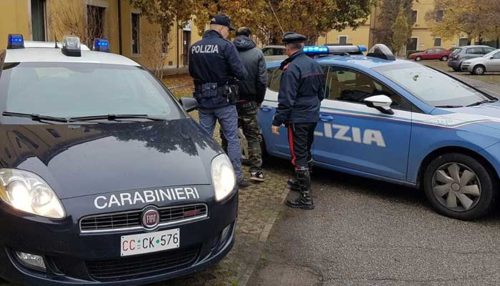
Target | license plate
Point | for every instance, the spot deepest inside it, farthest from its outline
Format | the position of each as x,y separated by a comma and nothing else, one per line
150,242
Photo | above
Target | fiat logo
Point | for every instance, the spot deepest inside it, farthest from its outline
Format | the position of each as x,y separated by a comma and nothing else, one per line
150,218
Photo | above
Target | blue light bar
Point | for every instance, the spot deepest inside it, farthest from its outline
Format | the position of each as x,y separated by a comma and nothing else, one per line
15,41
316,50
101,45
362,48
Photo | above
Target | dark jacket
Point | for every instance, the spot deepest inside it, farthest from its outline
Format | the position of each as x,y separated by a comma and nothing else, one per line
214,60
253,88
301,90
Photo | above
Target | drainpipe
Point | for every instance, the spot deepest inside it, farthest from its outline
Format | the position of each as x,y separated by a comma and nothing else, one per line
177,32
120,25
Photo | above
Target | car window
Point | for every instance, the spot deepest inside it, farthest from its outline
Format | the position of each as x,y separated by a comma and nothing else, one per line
488,50
274,76
431,86
83,89
475,51
267,51
352,86
497,55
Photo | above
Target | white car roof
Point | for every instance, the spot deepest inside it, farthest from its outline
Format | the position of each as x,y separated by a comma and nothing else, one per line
40,52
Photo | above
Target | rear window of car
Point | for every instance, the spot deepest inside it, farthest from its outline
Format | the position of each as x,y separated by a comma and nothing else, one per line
83,89
474,51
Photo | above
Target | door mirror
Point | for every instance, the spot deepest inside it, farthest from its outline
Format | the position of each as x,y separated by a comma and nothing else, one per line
380,102
188,103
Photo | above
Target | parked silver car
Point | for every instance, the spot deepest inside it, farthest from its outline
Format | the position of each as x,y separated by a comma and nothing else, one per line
465,53
487,63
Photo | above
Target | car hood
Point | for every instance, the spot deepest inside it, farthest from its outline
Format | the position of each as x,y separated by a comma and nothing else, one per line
486,115
89,159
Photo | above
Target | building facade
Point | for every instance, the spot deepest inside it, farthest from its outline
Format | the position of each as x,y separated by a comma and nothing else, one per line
129,32
421,37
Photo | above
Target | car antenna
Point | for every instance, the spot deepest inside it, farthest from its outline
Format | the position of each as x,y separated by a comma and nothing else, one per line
55,39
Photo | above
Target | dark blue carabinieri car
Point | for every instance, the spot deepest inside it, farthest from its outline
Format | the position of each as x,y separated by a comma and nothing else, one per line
104,178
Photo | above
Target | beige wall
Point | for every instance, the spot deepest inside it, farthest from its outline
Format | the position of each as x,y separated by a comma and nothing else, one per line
15,17
420,30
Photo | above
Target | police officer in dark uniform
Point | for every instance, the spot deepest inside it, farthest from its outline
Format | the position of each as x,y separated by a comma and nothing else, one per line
215,65
299,99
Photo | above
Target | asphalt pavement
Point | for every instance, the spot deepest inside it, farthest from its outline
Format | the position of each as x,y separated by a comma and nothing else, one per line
366,232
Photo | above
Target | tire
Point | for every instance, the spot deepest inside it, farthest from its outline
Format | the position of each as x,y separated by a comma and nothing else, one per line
444,58
478,70
470,199
417,59
456,69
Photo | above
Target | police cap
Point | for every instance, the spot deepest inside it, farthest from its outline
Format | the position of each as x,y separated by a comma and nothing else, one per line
223,20
292,37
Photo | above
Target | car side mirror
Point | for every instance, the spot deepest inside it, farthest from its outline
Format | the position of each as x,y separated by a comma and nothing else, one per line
188,103
492,58
380,102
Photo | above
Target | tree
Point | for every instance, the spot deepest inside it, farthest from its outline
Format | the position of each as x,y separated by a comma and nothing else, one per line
401,31
478,19
389,11
270,18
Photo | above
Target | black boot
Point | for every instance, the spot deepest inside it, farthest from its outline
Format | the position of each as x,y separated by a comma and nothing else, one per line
293,184
304,201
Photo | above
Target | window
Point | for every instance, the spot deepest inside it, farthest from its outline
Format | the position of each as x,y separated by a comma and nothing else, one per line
439,15
38,20
343,40
463,42
95,22
353,86
412,44
431,86
496,56
488,50
136,22
47,92
474,51
413,17
274,76
437,42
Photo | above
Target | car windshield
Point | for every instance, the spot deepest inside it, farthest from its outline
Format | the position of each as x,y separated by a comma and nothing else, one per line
69,90
431,86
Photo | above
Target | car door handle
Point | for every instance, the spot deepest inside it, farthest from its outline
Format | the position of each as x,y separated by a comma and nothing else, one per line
266,108
325,118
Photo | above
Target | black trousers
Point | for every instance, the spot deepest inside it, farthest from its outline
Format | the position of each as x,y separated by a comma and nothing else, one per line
300,140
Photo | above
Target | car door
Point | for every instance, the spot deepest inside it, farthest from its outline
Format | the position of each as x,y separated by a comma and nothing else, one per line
354,137
494,63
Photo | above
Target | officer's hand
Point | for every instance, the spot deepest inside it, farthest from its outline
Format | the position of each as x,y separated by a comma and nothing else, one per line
276,130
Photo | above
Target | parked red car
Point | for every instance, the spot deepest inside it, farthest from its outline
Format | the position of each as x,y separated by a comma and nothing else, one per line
431,54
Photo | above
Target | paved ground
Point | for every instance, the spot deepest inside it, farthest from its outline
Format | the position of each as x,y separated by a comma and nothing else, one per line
365,232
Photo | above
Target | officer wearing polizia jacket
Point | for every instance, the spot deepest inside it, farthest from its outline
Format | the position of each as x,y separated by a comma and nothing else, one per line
215,65
299,99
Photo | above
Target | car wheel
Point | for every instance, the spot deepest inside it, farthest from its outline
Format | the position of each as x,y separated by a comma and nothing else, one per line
459,186
478,70
418,59
455,69
444,58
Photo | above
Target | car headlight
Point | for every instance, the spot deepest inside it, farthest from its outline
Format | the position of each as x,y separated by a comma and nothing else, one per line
223,177
28,192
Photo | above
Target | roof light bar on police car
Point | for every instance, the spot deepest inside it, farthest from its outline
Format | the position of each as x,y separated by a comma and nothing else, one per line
381,51
334,50
101,45
15,41
71,46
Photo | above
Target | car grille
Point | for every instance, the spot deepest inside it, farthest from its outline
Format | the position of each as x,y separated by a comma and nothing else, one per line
133,219
142,265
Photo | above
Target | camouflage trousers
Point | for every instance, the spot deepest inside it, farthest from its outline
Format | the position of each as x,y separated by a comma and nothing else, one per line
247,121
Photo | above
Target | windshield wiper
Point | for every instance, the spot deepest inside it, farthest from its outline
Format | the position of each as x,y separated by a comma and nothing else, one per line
482,101
449,106
36,117
114,117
